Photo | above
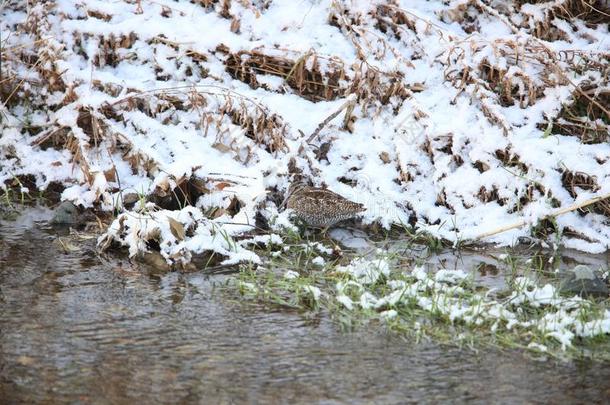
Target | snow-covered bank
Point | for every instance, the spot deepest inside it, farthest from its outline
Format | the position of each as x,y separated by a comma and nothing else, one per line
468,116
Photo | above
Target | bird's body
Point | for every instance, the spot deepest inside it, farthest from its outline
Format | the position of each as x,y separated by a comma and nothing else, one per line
320,207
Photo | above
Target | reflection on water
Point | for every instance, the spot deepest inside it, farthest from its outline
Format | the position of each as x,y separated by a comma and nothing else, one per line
81,328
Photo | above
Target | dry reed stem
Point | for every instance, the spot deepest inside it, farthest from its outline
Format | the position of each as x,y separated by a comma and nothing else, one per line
348,105
553,214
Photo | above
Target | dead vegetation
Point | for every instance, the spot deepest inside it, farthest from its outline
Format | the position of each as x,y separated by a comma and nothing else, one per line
550,20
309,76
111,49
583,118
592,12
316,77
506,77
518,72
578,182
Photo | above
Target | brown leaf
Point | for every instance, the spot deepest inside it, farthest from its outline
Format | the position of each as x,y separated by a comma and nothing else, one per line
155,260
176,228
110,174
162,185
385,157
235,25
222,185
218,212
221,147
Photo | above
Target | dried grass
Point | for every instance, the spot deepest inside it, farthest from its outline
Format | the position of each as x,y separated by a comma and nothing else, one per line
579,181
310,76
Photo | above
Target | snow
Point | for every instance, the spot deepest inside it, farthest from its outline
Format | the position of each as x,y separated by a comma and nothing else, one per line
315,292
291,275
366,271
388,315
345,301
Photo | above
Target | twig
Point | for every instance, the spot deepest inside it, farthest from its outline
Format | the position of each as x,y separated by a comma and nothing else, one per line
351,100
297,63
496,14
553,214
348,114
224,91
221,268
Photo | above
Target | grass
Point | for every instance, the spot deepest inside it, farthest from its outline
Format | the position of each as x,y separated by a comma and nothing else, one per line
14,194
425,307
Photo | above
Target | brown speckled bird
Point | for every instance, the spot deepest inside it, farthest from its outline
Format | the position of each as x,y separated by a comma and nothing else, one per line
319,207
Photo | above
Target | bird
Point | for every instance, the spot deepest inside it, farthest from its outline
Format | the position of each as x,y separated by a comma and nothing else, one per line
320,207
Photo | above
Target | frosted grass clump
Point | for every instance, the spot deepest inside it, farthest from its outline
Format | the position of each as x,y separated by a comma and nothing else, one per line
366,271
314,291
291,275
530,309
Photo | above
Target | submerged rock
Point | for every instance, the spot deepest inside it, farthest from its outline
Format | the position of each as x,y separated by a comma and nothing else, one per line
69,214
66,214
583,281
155,260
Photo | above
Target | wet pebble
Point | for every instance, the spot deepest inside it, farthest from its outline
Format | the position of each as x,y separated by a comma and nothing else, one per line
583,281
66,213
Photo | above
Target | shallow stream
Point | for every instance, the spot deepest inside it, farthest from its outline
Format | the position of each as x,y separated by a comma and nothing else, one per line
76,327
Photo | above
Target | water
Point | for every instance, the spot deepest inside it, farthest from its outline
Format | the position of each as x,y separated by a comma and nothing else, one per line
79,328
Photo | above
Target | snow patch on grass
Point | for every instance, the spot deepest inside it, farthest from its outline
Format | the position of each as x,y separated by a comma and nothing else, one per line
530,309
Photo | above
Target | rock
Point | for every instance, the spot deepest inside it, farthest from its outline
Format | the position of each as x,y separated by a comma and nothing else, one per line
67,214
155,260
130,199
582,272
583,281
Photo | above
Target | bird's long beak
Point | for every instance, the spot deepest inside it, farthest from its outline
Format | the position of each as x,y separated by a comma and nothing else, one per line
289,192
